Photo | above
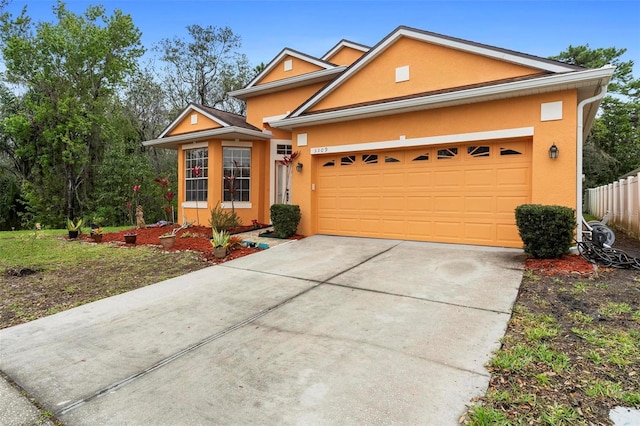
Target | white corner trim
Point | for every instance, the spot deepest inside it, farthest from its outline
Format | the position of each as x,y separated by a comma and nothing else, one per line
194,145
241,144
236,205
551,111
429,140
200,205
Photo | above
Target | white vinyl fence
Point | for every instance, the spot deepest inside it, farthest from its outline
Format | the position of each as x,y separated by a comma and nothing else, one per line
622,199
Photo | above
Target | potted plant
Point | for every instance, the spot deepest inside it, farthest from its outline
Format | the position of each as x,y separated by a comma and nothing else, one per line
168,240
220,242
96,235
130,237
73,228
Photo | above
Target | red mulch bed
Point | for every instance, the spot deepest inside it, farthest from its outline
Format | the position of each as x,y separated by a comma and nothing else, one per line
195,238
570,264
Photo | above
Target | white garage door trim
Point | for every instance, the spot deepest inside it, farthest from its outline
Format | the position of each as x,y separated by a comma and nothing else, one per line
429,140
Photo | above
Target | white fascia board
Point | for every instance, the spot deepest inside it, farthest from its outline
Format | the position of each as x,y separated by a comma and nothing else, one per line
489,52
184,113
287,52
344,43
404,32
230,132
273,118
424,141
288,83
519,88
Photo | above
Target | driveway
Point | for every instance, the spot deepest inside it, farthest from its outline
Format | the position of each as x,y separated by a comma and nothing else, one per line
325,330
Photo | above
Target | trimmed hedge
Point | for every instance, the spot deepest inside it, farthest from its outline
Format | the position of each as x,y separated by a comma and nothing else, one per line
546,231
285,219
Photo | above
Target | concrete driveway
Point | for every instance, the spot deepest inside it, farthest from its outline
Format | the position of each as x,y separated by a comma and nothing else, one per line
325,330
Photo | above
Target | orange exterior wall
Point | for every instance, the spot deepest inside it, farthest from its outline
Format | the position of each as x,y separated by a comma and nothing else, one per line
299,67
345,56
259,191
552,181
431,67
185,125
278,103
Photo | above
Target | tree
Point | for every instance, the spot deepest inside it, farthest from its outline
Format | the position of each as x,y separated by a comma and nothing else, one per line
205,68
70,72
613,146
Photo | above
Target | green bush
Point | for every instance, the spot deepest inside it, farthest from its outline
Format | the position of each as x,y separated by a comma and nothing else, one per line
223,220
285,219
546,231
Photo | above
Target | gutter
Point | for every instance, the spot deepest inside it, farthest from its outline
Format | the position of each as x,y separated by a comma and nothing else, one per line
220,131
580,142
501,91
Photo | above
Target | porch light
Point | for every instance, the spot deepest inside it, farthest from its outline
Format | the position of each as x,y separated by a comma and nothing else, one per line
553,152
299,167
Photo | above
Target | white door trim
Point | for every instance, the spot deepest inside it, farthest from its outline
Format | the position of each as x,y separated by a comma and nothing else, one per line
273,157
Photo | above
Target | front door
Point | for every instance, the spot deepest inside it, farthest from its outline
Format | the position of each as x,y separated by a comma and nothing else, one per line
283,185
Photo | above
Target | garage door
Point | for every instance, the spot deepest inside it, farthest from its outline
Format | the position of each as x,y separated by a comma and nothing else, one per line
456,194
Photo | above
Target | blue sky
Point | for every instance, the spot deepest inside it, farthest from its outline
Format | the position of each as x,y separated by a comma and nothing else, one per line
542,28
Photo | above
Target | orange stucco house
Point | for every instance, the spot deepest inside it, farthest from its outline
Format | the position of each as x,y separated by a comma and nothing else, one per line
420,137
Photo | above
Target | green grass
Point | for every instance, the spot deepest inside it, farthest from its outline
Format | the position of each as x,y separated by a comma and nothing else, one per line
72,273
48,249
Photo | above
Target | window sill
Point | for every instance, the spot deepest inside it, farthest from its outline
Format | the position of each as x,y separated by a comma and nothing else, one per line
193,205
237,205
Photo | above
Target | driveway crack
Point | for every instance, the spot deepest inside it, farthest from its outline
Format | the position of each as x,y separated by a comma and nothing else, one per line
195,346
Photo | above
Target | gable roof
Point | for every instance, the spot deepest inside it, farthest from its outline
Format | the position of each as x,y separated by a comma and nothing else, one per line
442,40
223,118
232,126
342,44
279,57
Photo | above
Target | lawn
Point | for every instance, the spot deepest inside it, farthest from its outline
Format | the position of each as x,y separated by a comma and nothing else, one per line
571,351
42,272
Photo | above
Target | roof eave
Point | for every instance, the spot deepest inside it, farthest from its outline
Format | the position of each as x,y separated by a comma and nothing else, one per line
289,83
566,81
231,132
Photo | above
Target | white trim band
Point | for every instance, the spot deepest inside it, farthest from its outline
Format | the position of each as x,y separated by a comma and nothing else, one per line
429,140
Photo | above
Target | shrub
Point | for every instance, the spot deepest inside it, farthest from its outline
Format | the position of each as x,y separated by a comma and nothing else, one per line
546,231
223,220
285,219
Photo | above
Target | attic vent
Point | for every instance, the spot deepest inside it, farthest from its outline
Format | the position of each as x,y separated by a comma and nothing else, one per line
194,118
288,65
402,74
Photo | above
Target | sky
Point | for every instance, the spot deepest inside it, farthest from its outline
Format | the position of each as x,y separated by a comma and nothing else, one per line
536,27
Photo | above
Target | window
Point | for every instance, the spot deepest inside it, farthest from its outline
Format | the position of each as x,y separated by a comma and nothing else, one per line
370,159
196,174
423,157
478,151
329,163
447,153
348,160
507,151
236,170
283,149
389,159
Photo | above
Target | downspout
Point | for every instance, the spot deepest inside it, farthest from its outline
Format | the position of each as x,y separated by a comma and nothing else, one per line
580,142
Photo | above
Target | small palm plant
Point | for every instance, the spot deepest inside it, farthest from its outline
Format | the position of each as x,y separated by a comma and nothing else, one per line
220,243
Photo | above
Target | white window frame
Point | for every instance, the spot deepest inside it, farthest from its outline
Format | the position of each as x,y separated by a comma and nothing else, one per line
188,149
246,204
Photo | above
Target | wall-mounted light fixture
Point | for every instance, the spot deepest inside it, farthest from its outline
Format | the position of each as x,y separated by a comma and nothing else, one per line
553,152
299,167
